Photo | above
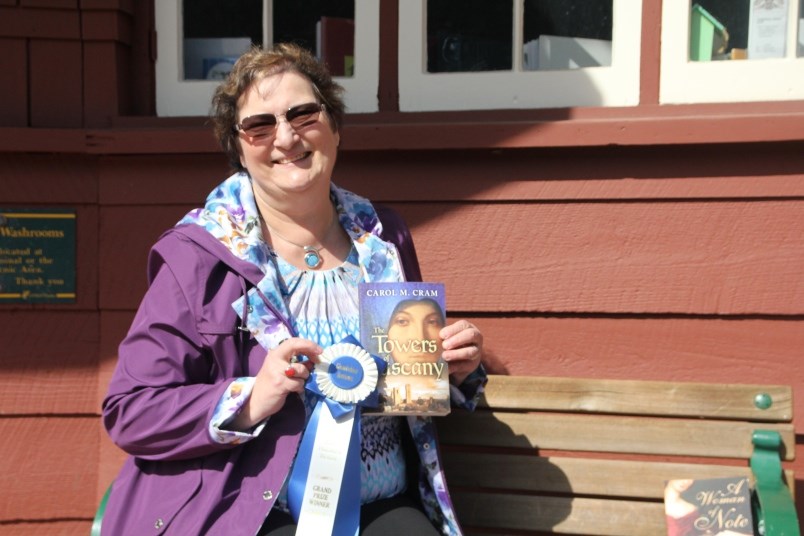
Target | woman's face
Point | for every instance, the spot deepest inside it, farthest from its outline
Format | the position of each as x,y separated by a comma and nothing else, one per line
293,160
413,334
680,485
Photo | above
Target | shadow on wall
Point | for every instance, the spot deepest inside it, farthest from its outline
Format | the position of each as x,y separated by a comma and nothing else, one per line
493,363
515,473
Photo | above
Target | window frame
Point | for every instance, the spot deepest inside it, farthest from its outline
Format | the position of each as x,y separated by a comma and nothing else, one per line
518,89
176,97
695,82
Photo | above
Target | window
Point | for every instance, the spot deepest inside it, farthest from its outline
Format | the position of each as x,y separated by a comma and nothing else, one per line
497,54
198,40
732,51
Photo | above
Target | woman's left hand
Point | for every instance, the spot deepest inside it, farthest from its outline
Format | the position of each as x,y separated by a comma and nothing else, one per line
463,348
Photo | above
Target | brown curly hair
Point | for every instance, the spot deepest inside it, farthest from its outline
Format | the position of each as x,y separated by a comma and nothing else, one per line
255,65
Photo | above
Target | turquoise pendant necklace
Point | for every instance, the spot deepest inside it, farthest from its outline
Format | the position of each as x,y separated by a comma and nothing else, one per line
312,255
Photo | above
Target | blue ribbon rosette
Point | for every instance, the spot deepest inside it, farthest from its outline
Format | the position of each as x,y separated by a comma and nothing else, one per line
324,486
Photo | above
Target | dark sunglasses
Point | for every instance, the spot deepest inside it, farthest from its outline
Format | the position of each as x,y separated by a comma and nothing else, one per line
264,125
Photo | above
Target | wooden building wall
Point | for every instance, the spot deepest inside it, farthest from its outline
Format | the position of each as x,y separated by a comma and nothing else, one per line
665,246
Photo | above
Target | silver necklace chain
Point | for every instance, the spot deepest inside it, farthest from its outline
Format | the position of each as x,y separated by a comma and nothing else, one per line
312,255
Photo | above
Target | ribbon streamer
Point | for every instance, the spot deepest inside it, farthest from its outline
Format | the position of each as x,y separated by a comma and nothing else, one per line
324,486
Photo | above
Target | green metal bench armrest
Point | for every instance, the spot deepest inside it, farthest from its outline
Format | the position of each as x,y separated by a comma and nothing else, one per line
776,511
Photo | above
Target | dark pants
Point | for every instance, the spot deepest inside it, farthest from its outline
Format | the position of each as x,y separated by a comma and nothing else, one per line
398,516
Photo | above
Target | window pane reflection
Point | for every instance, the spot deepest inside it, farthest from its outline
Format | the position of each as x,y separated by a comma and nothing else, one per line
567,34
216,33
469,35
325,27
739,29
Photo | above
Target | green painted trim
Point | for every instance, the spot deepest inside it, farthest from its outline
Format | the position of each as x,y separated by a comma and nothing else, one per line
96,523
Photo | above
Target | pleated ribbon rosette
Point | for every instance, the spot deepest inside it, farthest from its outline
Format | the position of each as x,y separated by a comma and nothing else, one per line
324,487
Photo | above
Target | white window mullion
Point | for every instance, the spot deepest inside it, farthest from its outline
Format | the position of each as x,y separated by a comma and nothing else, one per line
518,35
267,17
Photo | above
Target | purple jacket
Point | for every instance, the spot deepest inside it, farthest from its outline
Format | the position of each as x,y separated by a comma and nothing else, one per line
181,353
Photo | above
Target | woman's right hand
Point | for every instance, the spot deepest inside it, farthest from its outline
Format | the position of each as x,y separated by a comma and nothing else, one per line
281,373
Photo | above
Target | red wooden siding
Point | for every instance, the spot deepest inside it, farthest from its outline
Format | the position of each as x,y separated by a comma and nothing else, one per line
14,104
71,63
609,271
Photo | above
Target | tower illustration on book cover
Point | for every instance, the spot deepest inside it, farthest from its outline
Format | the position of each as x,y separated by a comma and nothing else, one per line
399,322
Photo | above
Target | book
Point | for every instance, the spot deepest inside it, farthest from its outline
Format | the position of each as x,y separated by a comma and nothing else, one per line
708,506
399,322
335,45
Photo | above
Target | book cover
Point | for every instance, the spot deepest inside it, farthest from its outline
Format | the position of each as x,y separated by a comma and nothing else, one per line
335,45
708,506
399,322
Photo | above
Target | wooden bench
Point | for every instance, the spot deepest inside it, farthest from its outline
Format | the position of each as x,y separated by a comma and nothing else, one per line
589,456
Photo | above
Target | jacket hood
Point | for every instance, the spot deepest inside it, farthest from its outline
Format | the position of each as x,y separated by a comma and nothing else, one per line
214,247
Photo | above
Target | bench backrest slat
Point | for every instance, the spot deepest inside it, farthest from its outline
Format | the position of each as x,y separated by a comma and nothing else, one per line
634,397
604,433
555,514
580,476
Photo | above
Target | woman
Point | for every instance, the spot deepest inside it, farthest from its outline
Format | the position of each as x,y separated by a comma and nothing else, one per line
680,513
416,375
415,321
208,395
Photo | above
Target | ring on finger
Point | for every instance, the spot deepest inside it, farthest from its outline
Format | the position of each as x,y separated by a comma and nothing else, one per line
290,372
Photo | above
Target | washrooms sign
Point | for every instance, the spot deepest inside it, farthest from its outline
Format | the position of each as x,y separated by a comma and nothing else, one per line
37,255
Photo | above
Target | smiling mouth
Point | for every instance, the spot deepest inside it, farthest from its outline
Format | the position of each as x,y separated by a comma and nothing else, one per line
295,158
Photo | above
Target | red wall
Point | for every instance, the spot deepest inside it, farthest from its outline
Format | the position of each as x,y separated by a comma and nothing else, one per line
578,262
